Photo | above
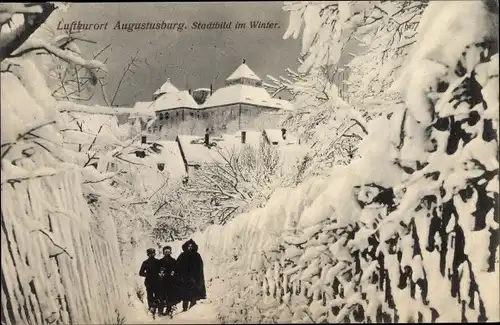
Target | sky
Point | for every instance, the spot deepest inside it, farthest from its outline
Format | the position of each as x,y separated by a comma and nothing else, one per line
191,58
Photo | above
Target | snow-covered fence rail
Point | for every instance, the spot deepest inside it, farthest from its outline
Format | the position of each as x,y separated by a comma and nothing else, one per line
55,268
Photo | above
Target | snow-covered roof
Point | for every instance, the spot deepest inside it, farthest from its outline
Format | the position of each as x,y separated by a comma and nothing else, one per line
196,153
252,137
166,88
243,71
170,155
276,136
143,106
202,89
174,100
244,94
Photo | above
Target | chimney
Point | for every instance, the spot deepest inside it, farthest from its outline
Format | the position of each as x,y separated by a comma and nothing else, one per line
207,138
189,90
283,134
143,139
211,89
243,137
243,61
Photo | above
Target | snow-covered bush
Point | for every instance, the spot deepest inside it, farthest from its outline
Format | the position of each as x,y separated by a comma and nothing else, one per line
409,230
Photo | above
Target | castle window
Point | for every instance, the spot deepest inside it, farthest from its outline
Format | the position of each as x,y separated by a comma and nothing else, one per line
112,167
166,116
161,126
192,114
177,114
161,116
205,115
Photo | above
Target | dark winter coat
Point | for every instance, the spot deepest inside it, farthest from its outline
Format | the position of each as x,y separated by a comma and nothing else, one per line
169,263
150,269
190,270
169,285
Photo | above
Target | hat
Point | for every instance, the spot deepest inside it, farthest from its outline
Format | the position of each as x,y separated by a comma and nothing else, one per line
150,251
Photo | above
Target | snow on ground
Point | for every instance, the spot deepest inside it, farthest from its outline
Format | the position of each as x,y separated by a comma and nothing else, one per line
204,312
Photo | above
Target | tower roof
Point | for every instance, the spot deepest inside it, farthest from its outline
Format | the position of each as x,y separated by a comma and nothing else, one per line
244,94
167,87
173,100
243,71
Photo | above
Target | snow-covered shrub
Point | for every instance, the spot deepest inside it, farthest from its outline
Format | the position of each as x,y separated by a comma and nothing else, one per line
237,181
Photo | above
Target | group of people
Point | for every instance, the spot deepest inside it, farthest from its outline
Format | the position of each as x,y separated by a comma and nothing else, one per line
169,281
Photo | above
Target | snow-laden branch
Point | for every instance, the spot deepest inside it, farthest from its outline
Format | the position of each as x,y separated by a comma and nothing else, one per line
13,174
34,16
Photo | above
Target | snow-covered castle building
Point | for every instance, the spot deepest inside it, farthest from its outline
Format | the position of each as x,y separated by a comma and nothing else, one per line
233,107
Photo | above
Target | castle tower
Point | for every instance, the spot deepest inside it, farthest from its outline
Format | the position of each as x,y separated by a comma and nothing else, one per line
243,75
167,87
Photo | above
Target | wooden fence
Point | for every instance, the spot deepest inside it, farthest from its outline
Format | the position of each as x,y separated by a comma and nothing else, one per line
56,267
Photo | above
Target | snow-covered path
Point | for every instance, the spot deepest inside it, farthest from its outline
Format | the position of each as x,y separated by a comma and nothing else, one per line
204,312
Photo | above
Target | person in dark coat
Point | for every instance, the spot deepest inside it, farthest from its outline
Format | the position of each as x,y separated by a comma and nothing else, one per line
170,293
161,289
190,270
149,270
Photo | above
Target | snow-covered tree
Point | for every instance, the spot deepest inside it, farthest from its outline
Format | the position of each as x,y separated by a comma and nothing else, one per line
322,119
323,105
241,180
176,217
69,250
